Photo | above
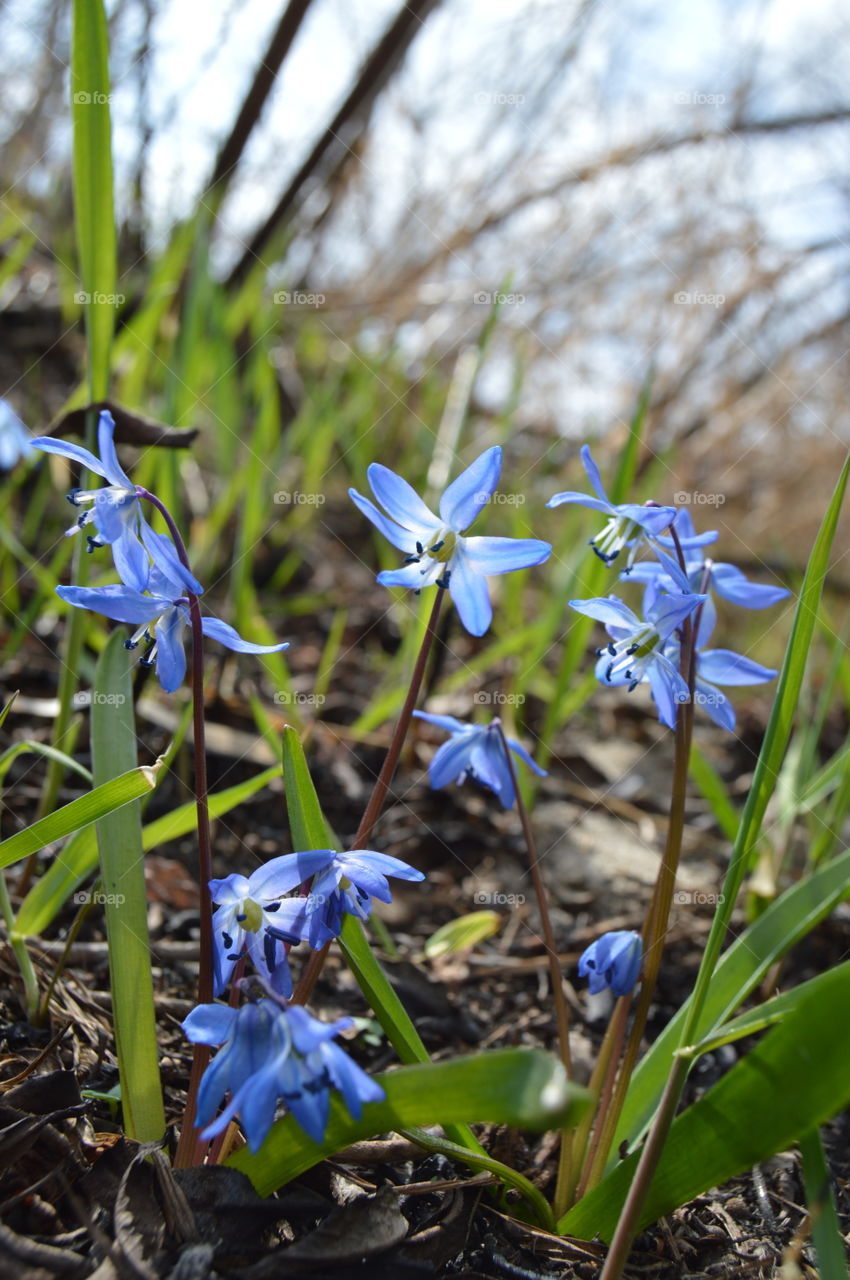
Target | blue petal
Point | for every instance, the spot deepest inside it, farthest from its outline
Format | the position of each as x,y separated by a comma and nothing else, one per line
382,862
226,635
399,537
451,723
608,609
502,555
730,583
465,496
520,751
670,612
118,602
668,689
410,576
715,703
355,1085
258,1108
230,890
707,621
469,593
582,499
282,875
451,760
653,520
490,767
131,561
209,1023
164,555
722,666
402,503
170,653
111,512
112,468
74,451
593,474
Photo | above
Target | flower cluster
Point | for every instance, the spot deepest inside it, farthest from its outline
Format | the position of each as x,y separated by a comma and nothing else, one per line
648,650
270,1053
156,582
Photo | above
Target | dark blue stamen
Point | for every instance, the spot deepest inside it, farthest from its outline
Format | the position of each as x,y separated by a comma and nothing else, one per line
444,581
437,545
226,939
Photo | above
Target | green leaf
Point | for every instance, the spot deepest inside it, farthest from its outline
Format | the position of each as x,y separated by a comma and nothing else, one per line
8,707
40,749
122,869
741,969
463,933
104,799
710,783
769,763
527,1088
826,1230
79,857
310,831
792,1082
94,216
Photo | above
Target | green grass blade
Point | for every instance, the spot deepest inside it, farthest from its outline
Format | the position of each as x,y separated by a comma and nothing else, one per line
741,969
826,1230
523,1087
104,799
119,840
792,1082
92,168
78,859
713,789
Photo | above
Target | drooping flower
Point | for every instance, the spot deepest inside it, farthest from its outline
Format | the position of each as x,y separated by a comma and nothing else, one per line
344,884
629,524
436,549
636,649
15,440
613,961
269,1054
476,751
248,908
159,614
116,512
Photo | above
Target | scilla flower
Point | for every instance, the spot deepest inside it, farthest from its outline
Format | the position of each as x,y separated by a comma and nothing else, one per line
115,511
635,651
159,614
437,550
15,441
268,1054
476,751
720,666
628,523
613,961
344,884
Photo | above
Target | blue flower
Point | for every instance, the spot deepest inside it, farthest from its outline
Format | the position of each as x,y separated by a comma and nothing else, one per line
159,615
435,548
476,751
613,961
345,883
249,908
116,512
268,1054
628,523
636,649
15,440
